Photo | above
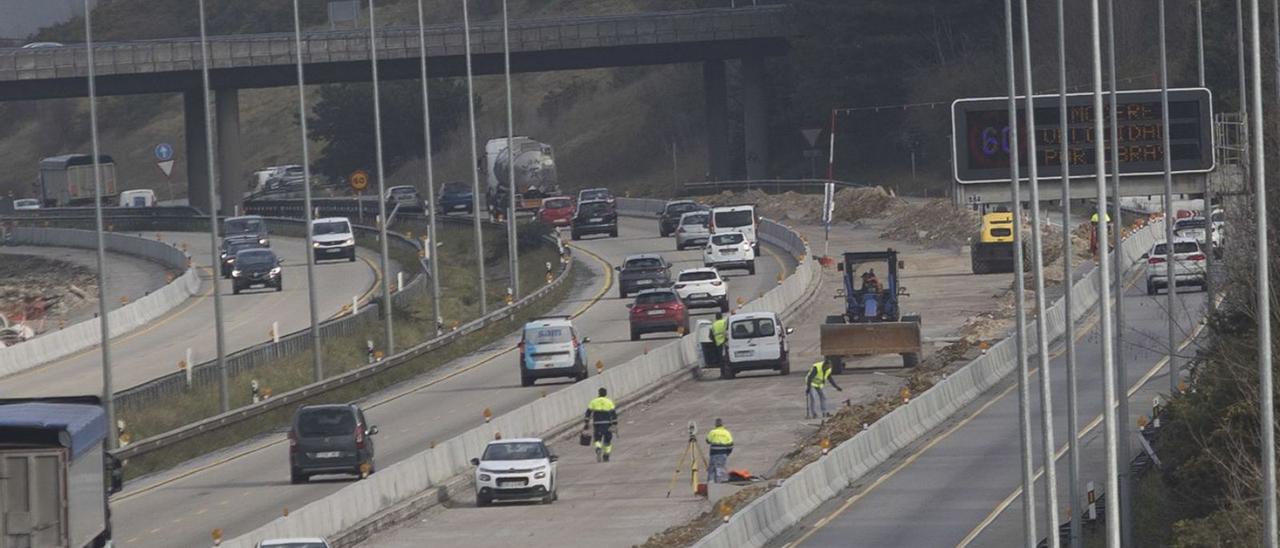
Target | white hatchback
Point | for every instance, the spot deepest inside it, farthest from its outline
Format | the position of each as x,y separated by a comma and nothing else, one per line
515,469
1188,265
729,250
702,288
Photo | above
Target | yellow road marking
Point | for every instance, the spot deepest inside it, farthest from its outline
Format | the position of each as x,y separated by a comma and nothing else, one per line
596,298
377,283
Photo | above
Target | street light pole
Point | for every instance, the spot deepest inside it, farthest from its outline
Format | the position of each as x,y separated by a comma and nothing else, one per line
430,246
475,161
224,394
1069,337
513,256
387,308
317,352
1266,395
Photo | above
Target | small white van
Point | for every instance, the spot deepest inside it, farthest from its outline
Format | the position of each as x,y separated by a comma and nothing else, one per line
739,218
757,341
141,197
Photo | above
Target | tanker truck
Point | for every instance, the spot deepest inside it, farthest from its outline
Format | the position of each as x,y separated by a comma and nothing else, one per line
535,172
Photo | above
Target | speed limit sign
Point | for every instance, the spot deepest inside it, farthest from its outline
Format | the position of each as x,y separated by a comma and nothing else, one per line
359,180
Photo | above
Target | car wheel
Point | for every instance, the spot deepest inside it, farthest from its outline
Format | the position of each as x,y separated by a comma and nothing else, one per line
679,247
549,497
622,293
525,380
352,257
726,372
751,268
581,375
724,305
1151,288
296,477
235,290
785,369
280,285
575,236
910,360
635,335
662,233
482,500
613,233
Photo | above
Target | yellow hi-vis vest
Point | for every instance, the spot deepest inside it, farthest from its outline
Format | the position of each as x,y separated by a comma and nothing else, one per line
720,436
601,411
720,331
820,375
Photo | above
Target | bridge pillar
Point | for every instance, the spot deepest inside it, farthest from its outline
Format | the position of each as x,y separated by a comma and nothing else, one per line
197,156
716,90
230,189
755,118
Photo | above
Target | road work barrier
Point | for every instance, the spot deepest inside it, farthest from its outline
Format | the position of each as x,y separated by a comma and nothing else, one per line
403,480
800,494
88,333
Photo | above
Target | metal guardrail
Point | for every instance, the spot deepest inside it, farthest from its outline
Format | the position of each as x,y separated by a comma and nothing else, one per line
242,414
766,185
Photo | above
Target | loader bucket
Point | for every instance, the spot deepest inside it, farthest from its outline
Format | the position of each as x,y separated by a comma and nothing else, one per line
867,339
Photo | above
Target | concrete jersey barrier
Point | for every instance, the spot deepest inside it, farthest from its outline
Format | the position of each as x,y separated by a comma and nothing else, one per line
360,500
770,515
88,333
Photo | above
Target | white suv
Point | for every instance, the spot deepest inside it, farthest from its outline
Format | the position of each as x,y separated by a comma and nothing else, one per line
515,469
702,288
1188,265
729,250
332,238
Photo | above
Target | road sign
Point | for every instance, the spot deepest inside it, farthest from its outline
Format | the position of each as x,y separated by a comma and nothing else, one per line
164,152
166,167
811,135
359,180
981,129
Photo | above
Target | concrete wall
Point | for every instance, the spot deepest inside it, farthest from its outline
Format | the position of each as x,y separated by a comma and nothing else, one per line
800,494
87,334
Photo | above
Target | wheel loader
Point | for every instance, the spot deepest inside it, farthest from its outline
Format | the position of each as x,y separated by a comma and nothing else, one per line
872,322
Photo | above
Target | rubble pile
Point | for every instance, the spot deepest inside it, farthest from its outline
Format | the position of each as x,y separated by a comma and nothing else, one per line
936,223
35,288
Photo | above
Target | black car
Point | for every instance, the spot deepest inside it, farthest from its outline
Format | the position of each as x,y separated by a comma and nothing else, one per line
640,272
330,439
594,217
455,197
233,245
669,217
258,267
247,225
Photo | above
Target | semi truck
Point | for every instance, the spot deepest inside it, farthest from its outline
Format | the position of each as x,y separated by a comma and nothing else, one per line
535,173
67,180
55,473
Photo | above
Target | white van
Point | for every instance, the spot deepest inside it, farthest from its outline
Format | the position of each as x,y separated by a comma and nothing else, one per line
141,197
739,218
332,238
550,347
757,341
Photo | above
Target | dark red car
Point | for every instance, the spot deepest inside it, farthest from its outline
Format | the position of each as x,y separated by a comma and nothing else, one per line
556,211
657,310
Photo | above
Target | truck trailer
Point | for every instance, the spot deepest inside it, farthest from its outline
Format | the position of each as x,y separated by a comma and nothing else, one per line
67,180
535,171
55,473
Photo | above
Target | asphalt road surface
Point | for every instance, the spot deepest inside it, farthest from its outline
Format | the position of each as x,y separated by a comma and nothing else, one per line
244,487
959,484
155,349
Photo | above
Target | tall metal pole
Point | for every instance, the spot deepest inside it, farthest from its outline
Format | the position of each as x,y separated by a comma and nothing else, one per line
1122,372
1169,217
387,308
224,395
1037,276
1124,495
1020,313
1266,397
1064,152
475,162
108,389
512,252
1104,288
431,182
317,352
1207,210
1240,70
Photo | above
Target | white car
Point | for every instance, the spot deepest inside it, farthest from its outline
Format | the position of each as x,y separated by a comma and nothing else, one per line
26,203
1188,265
139,197
332,238
757,341
515,469
729,250
301,542
692,230
550,347
702,288
740,218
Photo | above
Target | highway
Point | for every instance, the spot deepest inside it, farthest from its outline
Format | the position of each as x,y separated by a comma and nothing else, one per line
127,275
155,350
958,485
248,485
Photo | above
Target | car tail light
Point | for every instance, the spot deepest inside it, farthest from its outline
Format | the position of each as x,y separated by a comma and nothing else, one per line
520,346
680,230
680,286
716,283
575,342
293,442
1155,260
1196,257
359,436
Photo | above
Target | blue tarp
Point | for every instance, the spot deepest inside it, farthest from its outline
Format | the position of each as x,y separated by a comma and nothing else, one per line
85,425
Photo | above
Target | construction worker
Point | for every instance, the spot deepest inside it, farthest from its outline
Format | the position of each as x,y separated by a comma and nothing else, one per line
1094,218
720,335
602,416
815,381
870,282
721,442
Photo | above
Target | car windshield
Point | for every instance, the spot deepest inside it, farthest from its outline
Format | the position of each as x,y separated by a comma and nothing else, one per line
252,258
700,220
455,188
518,450
236,247
326,422
1218,217
242,226
403,191
547,335
330,227
1178,247
698,276
594,194
727,239
684,207
655,297
748,329
593,208
733,219
644,262
1190,223
26,202
557,203
295,171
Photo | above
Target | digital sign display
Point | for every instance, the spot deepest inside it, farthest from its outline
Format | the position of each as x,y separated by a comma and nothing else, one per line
981,131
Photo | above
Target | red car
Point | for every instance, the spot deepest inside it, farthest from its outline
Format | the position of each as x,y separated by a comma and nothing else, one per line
556,211
657,310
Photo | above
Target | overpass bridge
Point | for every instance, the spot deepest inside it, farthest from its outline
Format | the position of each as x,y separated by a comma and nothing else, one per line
712,37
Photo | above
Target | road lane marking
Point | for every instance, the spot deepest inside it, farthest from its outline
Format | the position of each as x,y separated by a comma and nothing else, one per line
591,302
377,283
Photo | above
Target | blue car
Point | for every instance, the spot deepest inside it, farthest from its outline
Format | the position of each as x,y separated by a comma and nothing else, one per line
455,197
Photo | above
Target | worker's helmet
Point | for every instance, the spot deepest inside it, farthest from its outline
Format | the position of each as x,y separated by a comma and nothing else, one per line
602,392
719,423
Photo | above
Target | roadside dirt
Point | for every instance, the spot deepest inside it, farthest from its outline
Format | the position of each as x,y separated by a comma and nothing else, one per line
41,292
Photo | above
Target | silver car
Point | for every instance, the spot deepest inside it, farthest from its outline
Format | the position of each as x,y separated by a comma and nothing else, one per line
692,230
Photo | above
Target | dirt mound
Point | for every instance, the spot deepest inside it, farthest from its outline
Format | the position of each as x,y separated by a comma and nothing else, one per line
34,288
852,204
936,223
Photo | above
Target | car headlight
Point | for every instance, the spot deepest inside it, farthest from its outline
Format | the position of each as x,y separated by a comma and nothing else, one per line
349,241
263,241
235,273
231,261
315,244
485,477
275,271
539,475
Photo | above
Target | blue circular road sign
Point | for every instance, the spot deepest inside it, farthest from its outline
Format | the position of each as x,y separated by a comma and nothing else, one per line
164,152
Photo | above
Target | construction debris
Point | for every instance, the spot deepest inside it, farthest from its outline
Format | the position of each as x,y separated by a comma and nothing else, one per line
38,292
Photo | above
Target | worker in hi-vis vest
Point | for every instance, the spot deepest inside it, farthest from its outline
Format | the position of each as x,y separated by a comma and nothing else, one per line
817,379
602,417
721,442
